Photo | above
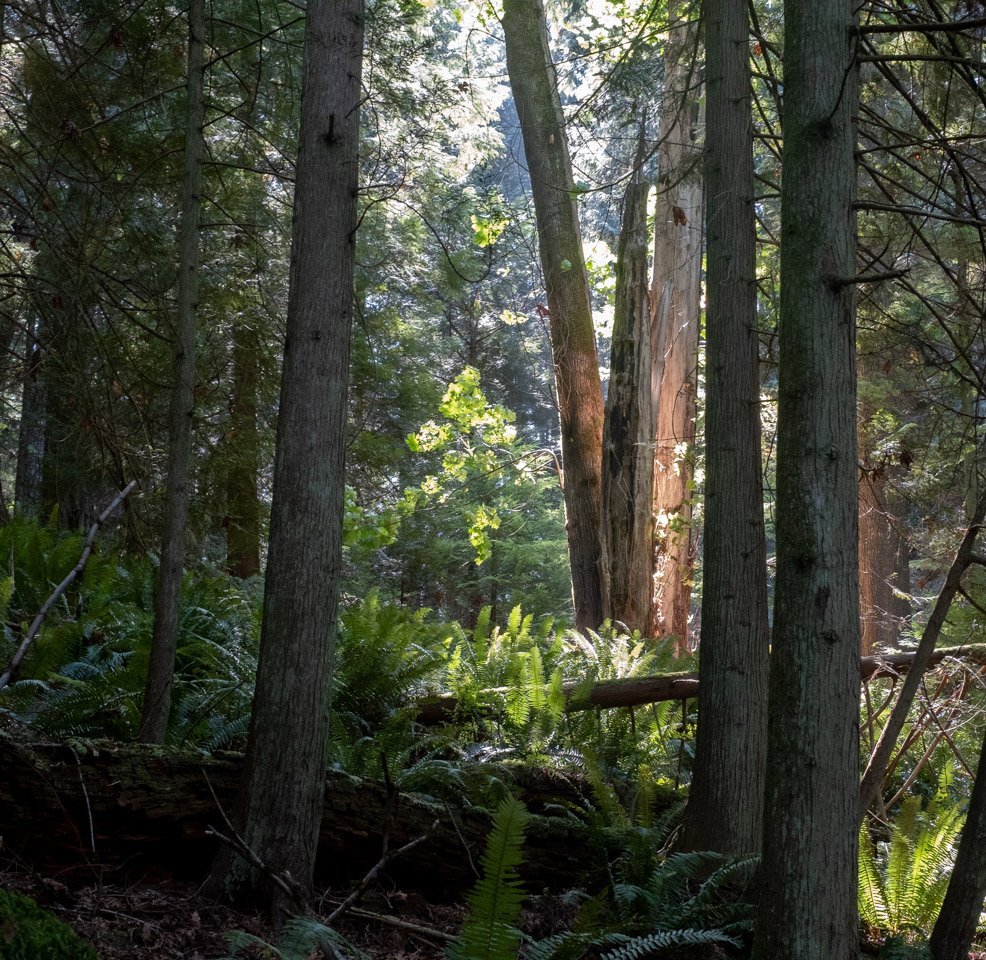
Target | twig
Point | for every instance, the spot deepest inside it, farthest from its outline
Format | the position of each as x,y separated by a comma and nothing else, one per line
85,794
402,924
465,846
371,876
235,842
35,627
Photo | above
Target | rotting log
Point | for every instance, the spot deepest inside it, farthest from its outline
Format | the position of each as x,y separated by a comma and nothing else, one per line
639,691
139,808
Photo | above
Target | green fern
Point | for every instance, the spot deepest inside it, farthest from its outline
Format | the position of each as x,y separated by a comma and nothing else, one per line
301,939
902,883
665,912
490,930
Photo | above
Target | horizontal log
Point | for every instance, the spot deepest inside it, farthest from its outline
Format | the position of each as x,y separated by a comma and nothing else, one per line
135,808
639,691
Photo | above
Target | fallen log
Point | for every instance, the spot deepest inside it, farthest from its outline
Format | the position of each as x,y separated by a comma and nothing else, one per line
139,808
639,691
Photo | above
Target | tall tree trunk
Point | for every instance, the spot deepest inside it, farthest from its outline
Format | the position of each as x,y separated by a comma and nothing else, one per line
880,547
807,907
573,339
676,310
242,500
164,642
960,911
628,455
284,779
725,806
31,438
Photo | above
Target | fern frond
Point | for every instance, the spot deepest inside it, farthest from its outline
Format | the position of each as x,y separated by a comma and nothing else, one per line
490,932
633,948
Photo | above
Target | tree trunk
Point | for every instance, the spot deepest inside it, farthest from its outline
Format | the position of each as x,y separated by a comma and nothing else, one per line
31,438
675,319
242,500
628,453
285,771
807,908
573,339
725,806
164,641
960,911
880,547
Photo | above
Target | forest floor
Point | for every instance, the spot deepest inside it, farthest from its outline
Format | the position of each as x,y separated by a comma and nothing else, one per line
162,920
159,919
170,921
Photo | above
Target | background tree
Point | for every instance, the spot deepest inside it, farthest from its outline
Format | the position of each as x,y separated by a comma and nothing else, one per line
157,699
573,339
675,320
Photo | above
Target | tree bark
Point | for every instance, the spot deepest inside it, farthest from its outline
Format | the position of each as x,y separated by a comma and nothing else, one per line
879,564
628,450
573,339
242,500
284,777
164,641
725,805
807,907
31,437
675,318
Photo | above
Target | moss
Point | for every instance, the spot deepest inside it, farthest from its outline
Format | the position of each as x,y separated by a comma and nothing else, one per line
28,932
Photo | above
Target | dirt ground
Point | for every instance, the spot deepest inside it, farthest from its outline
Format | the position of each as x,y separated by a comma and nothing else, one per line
170,921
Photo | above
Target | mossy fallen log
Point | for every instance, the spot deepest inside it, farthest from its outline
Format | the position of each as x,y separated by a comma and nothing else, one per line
140,807
638,691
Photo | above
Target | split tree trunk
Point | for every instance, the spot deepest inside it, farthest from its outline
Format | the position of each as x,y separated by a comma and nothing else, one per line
164,642
807,907
283,783
675,318
573,339
628,449
725,805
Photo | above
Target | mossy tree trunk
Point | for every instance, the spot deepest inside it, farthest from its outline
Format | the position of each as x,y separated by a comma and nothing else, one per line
628,450
725,806
573,338
807,908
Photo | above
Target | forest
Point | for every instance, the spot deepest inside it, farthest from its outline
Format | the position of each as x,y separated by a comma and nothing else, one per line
492,479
